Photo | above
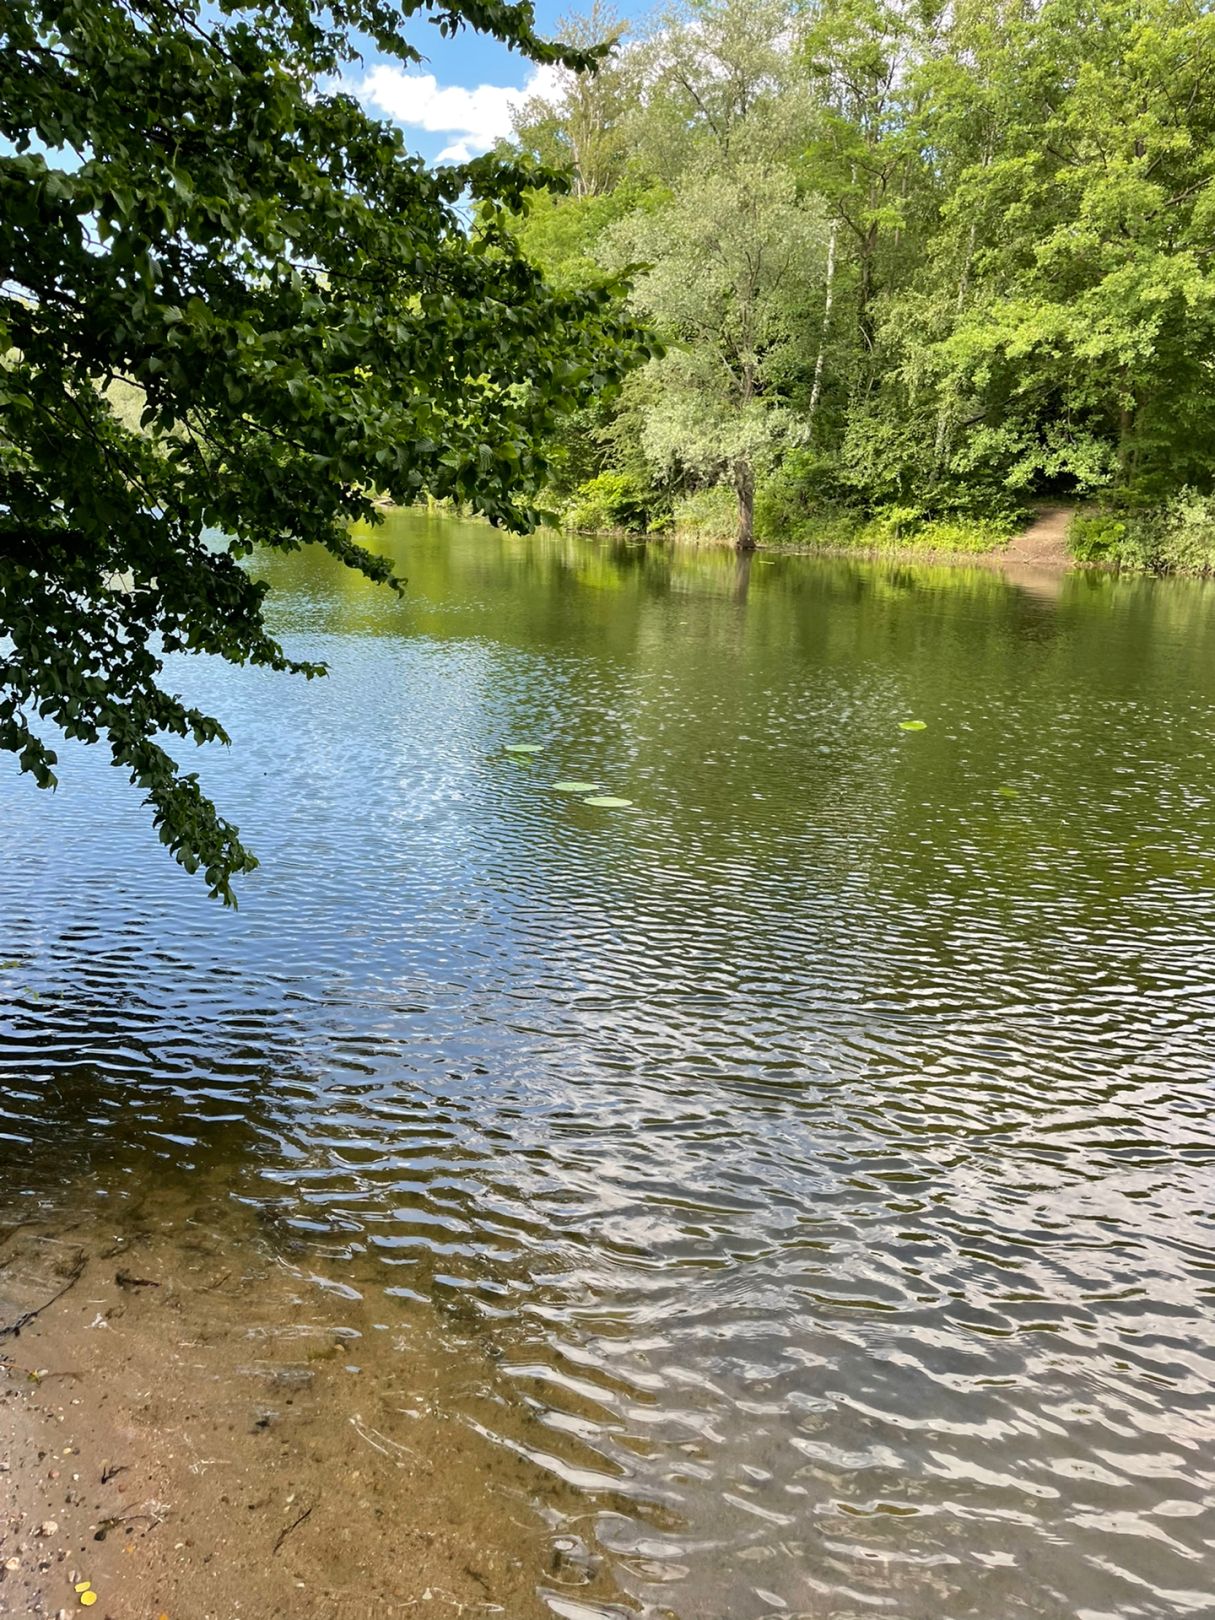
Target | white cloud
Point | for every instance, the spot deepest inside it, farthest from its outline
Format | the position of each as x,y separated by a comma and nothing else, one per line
475,118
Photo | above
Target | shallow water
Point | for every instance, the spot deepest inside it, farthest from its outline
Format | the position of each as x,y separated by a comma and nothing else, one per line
801,1179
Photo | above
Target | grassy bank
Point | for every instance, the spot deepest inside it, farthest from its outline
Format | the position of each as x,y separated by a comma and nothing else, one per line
1176,536
710,518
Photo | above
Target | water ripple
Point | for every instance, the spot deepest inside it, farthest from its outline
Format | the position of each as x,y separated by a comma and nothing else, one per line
808,1172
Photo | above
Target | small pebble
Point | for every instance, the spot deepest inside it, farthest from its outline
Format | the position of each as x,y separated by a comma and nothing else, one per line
49,1528
12,1563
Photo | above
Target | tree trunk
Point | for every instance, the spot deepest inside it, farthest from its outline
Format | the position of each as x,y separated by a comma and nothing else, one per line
865,289
744,488
817,389
742,578
941,446
1126,438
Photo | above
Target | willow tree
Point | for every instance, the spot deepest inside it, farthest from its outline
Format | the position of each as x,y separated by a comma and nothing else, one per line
192,218
735,251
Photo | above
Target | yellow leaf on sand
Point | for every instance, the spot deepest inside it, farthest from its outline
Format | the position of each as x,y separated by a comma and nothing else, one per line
88,1599
83,1586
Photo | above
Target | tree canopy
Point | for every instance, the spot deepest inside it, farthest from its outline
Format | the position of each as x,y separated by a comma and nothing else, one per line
233,311
1013,298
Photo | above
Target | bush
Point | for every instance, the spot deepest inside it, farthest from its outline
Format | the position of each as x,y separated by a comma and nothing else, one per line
809,500
615,501
1096,536
708,514
907,528
1177,536
802,502
1186,539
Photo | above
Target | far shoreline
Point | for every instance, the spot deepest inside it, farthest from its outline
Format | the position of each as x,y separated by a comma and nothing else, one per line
1027,553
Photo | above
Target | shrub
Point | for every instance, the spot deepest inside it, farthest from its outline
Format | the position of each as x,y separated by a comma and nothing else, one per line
906,528
800,499
615,501
1177,536
1186,540
1096,536
708,514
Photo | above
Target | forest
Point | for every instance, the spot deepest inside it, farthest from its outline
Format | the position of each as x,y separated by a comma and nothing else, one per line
913,266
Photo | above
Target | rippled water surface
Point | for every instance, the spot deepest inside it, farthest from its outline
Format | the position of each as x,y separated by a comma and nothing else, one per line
803,1177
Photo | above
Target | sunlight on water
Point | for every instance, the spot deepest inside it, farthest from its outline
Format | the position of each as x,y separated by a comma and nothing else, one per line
800,1178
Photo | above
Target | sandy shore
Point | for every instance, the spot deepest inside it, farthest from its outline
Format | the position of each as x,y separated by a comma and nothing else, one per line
193,1434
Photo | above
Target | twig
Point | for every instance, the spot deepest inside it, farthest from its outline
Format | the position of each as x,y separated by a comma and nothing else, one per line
155,1516
14,1328
124,1279
294,1525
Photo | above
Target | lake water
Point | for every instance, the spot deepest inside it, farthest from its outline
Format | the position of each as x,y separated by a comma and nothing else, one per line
803,1178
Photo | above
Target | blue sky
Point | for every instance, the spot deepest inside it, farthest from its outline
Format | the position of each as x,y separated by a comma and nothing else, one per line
459,101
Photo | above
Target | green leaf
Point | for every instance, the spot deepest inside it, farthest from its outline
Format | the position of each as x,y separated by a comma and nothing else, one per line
247,311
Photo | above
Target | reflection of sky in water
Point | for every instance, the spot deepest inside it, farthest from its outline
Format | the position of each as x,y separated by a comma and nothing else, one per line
824,1144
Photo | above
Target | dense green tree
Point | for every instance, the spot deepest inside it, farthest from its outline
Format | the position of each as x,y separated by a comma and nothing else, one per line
1015,292
580,124
1079,237
730,258
191,220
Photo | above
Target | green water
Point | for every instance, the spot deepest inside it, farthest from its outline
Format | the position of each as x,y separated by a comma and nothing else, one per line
805,1170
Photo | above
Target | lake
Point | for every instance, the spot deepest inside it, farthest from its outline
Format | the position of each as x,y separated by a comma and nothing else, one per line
790,1193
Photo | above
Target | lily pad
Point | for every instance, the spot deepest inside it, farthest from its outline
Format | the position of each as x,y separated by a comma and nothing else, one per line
913,725
524,748
605,801
575,787
1009,792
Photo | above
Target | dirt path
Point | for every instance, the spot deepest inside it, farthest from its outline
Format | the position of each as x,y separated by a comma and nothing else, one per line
1044,543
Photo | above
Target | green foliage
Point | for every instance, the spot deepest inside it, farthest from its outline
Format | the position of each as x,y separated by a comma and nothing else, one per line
943,259
615,501
707,515
726,256
582,128
906,528
1175,537
233,302
560,232
1097,536
803,501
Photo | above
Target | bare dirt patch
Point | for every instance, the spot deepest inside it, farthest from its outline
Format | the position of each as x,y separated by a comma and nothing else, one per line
1044,543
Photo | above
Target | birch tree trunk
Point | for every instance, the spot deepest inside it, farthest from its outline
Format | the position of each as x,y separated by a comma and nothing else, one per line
817,389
